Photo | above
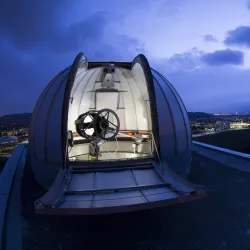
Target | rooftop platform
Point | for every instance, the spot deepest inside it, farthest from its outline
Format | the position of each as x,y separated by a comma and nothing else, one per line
221,221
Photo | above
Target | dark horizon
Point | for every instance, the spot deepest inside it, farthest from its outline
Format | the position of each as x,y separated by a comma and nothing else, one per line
210,113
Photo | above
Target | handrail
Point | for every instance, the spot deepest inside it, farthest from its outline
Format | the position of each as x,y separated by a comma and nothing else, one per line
223,150
228,157
10,199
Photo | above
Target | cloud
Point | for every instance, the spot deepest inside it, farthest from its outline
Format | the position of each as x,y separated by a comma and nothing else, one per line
48,26
179,62
34,24
21,81
37,41
239,36
214,89
223,57
196,59
122,48
210,38
30,22
187,60
77,35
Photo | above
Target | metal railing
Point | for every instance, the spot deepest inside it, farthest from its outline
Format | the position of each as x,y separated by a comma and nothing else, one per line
10,199
235,159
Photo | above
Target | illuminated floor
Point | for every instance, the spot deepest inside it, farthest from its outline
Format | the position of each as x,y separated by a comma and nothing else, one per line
110,156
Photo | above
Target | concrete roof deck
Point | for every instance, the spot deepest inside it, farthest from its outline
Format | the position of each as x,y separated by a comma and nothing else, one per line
220,221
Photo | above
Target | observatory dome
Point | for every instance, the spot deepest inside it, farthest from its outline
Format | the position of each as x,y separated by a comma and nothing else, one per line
69,121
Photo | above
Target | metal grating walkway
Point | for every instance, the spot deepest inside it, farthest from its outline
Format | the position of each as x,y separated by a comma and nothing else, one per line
116,188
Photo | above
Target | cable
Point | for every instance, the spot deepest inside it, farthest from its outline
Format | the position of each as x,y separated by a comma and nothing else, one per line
162,169
70,149
106,144
77,155
117,145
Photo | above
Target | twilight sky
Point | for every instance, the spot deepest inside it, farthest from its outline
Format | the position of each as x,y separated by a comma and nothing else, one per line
201,46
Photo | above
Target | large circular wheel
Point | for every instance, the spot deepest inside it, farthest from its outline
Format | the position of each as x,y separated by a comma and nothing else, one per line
106,124
85,122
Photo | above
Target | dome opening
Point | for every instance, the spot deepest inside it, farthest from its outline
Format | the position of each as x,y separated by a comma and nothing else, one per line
125,93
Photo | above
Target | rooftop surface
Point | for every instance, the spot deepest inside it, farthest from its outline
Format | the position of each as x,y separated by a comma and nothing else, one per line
220,221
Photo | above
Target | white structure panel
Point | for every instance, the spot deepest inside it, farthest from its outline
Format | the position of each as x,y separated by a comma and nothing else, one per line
81,75
131,104
78,95
106,100
129,111
139,108
88,96
139,79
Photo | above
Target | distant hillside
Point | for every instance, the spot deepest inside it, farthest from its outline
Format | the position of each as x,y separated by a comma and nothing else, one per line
23,120
15,120
199,115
